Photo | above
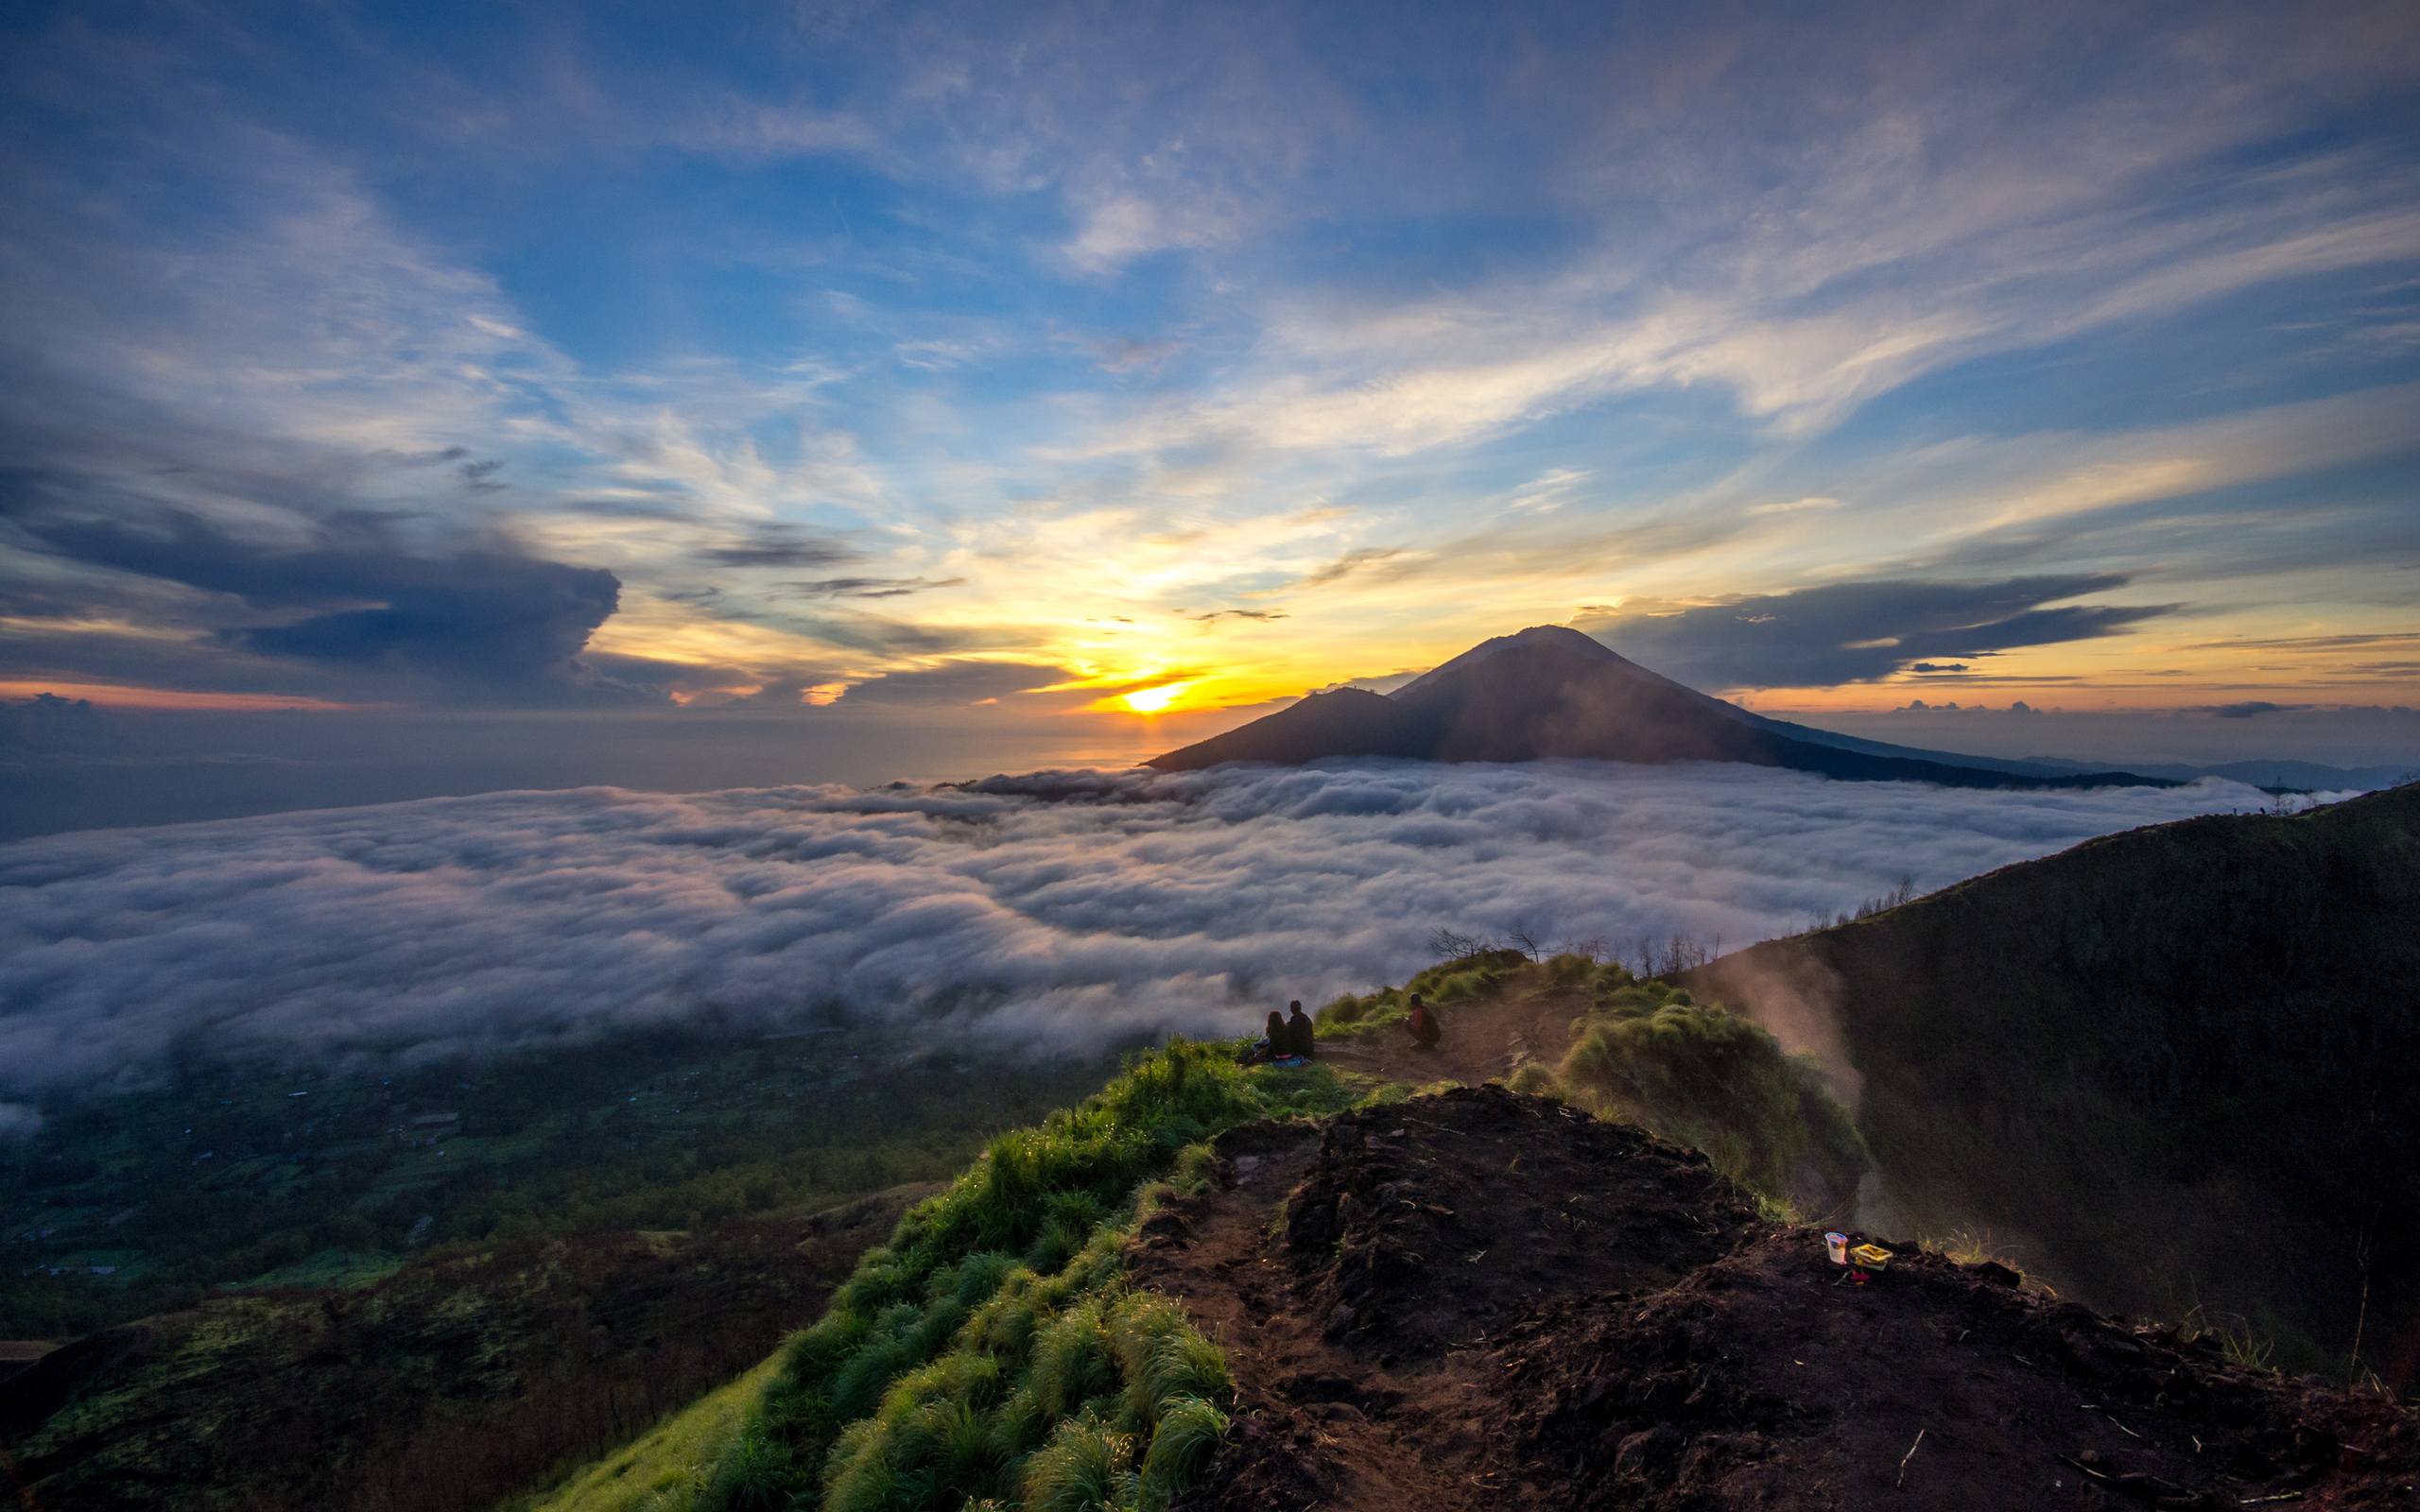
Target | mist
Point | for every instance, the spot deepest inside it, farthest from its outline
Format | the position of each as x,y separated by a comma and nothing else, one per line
1063,910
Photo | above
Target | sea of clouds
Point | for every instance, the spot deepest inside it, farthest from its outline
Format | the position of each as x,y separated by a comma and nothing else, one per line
1060,909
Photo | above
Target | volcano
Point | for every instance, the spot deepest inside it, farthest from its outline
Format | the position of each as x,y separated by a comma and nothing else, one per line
1549,691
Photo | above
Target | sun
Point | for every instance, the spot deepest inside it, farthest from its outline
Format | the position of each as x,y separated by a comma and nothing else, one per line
1154,700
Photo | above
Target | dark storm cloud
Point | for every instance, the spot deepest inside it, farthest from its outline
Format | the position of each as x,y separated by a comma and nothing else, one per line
1057,909
1860,632
470,622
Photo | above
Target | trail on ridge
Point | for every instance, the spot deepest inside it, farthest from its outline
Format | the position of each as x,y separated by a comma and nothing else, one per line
1481,1299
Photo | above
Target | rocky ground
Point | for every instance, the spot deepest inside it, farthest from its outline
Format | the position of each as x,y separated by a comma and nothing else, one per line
1481,1300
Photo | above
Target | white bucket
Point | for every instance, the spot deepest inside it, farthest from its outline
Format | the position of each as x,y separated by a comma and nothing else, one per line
1837,1246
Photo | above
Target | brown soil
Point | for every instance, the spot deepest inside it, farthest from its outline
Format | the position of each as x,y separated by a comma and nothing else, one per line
1479,1299
1485,1039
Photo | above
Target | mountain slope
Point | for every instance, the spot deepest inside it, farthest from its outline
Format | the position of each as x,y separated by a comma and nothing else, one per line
1549,691
2172,1067
1246,1286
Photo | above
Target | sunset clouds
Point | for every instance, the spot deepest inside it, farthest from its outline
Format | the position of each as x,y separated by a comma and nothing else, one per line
1248,349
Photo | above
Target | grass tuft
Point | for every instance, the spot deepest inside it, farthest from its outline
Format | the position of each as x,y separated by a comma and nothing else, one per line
1189,1433
1084,1466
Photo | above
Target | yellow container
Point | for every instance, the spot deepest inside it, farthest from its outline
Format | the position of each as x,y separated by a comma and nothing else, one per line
1870,1257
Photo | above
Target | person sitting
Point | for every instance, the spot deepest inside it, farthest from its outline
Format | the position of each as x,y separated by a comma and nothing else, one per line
1275,1044
1304,1036
1424,1029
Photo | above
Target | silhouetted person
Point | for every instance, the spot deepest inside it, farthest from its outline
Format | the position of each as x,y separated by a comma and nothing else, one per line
1424,1029
1274,1041
1305,1035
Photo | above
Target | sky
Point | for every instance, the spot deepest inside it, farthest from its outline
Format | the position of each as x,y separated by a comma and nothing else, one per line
412,400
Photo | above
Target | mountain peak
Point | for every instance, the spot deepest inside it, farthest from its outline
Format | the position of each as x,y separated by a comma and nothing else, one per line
1552,693
1554,640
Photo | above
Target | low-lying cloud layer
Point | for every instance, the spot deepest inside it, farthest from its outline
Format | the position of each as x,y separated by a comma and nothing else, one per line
1058,909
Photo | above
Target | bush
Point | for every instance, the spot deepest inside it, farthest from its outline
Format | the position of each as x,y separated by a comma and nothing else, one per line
1536,1080
1345,1010
1566,969
1705,1077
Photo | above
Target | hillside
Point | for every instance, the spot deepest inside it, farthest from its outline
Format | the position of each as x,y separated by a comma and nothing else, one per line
1550,692
2171,1067
1227,1287
461,1379
445,1308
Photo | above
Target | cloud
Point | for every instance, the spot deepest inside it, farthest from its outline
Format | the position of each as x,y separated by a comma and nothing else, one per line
1860,631
47,724
955,684
745,128
1363,560
1055,909
19,1122
465,623
2249,708
870,587
779,545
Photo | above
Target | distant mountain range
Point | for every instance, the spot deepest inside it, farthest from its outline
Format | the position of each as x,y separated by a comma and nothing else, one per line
1550,692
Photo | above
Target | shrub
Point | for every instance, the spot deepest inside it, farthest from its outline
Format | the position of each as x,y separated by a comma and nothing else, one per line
1568,968
1536,1080
1705,1077
1347,1009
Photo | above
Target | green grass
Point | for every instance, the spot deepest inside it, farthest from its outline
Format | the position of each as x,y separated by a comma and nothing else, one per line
1699,1073
330,1267
666,1469
992,1353
1467,979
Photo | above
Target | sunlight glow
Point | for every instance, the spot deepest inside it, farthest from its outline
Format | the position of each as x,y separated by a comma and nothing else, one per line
1154,700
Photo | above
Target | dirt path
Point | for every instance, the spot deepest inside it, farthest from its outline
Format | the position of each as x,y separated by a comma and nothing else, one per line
1487,1039
1483,1301
1343,1431
1357,1272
